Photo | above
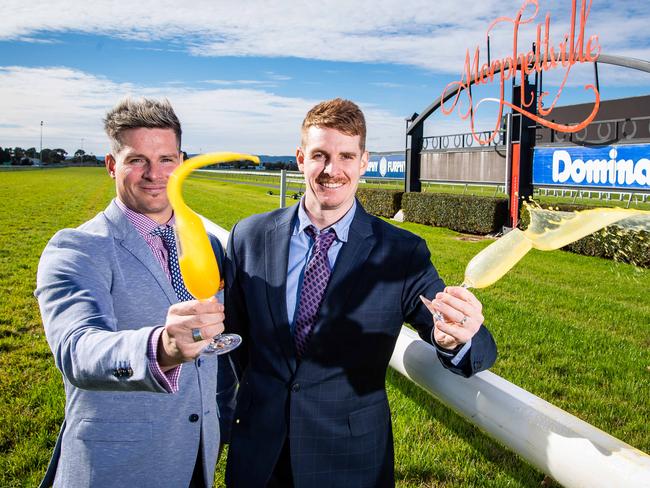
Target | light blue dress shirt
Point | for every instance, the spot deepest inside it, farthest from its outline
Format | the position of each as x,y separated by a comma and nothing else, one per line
300,247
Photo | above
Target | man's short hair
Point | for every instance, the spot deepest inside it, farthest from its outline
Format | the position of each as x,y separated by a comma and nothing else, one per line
342,115
134,114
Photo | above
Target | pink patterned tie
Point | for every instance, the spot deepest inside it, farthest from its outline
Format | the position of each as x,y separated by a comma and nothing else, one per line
317,274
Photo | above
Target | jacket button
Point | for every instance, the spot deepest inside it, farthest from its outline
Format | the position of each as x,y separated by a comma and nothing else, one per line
198,362
295,387
194,417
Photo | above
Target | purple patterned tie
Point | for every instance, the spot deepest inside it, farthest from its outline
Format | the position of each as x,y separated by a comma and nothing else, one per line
317,274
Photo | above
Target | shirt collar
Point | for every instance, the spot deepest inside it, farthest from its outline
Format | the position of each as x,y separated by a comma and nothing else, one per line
341,227
143,224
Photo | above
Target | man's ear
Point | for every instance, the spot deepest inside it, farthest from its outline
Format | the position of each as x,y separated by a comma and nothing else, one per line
109,161
364,162
300,159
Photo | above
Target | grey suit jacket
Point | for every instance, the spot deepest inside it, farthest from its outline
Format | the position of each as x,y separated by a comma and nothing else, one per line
101,293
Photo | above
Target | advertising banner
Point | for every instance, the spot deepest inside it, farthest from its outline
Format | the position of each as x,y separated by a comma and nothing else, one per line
617,167
386,166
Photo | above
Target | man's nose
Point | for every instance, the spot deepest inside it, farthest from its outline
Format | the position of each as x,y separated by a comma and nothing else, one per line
331,167
154,170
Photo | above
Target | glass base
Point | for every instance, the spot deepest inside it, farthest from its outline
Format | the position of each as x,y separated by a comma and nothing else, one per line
223,343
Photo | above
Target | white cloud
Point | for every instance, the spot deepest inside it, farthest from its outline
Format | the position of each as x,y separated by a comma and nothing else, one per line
72,104
417,32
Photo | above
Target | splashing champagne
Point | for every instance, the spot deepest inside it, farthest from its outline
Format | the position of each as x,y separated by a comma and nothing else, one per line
195,255
548,230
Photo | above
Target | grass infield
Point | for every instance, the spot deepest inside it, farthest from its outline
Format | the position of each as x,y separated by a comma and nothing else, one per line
572,329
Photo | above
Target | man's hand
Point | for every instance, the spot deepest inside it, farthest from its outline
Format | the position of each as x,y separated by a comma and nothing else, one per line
176,344
462,315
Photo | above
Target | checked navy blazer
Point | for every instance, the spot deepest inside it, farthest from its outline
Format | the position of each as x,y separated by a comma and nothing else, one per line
332,404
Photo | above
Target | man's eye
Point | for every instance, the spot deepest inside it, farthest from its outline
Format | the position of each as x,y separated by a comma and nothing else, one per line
167,161
136,161
318,156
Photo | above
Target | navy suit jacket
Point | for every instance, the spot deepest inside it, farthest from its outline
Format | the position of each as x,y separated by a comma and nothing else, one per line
332,404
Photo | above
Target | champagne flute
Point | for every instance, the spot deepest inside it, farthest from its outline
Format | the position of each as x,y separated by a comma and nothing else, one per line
493,262
196,258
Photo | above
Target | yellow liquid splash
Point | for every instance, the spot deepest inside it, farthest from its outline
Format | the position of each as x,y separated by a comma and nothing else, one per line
195,255
548,230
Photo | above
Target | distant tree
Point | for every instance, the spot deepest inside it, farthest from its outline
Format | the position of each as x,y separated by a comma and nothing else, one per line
46,156
5,155
58,155
89,158
31,152
17,154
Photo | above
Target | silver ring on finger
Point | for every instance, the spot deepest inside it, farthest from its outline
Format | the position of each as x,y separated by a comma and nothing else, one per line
196,335
463,320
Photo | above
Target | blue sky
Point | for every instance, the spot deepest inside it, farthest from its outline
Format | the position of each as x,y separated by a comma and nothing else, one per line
241,75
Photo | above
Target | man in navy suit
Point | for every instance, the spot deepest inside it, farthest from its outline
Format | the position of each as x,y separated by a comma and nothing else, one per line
320,292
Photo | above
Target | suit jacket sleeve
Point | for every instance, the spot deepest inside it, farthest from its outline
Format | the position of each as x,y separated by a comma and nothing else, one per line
422,279
74,295
236,314
226,376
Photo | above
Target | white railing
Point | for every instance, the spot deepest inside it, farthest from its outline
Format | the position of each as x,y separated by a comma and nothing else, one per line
571,451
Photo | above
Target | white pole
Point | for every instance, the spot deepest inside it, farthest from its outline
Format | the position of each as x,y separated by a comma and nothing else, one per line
283,188
573,452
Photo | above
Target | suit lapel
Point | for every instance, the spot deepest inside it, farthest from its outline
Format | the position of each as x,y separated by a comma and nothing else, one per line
276,257
129,238
348,268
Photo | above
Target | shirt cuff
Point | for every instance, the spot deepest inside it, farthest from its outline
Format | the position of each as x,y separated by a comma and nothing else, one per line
168,380
456,355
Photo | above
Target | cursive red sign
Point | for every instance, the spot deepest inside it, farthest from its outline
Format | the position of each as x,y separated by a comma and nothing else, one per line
547,55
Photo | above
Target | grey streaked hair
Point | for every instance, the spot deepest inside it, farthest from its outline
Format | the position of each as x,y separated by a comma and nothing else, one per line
133,114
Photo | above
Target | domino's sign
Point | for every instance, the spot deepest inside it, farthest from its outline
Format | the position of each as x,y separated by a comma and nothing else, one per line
386,166
613,167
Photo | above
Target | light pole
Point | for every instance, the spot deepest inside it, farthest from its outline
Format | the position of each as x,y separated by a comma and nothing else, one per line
40,153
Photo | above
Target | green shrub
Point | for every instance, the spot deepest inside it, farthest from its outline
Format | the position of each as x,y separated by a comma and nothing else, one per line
613,242
462,213
385,203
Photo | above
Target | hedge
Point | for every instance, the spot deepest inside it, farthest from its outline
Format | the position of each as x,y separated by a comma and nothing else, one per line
462,213
628,246
385,203
485,215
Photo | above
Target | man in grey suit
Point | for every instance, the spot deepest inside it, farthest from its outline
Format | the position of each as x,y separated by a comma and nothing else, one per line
320,309
141,400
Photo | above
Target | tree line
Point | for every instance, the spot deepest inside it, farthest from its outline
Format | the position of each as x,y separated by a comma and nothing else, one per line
18,156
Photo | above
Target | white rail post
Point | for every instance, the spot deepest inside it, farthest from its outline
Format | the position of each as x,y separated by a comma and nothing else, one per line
573,452
283,188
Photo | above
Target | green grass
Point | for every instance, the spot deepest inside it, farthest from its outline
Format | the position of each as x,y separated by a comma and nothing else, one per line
572,329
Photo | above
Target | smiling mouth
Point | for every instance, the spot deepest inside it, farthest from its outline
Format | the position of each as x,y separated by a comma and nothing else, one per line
332,185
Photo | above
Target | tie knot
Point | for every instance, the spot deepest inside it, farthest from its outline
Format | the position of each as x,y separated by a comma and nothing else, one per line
324,240
166,233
